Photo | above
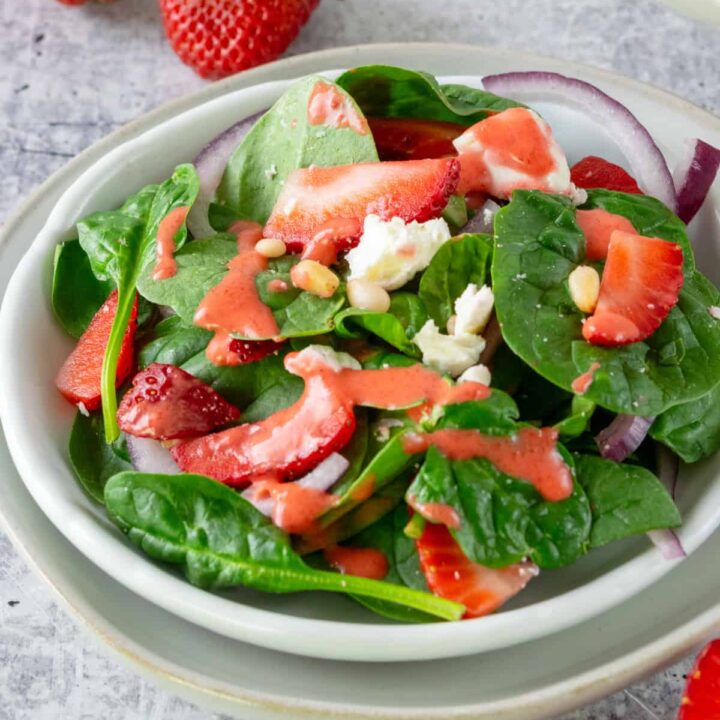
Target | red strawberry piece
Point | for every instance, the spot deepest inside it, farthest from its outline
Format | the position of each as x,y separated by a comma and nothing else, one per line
312,197
287,444
451,575
247,351
640,285
79,377
595,172
597,226
221,37
701,700
410,139
166,403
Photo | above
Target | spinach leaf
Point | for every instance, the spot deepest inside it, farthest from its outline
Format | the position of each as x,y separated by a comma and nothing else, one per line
463,260
354,452
386,91
221,540
396,327
92,459
283,140
202,264
625,500
692,430
538,244
120,245
386,535
260,388
173,342
76,293
503,519
578,420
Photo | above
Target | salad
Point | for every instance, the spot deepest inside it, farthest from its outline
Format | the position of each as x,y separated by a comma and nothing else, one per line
384,340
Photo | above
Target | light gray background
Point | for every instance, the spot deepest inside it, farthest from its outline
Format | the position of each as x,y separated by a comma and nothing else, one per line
68,76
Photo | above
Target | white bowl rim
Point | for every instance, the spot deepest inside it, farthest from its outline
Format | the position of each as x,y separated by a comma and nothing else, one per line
247,623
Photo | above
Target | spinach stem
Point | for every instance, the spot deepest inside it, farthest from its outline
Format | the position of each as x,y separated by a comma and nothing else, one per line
423,601
108,377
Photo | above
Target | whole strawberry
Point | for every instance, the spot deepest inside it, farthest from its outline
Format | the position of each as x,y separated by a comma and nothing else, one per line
221,37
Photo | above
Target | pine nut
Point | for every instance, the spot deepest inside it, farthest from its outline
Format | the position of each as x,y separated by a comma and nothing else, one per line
270,247
367,295
451,323
314,278
584,286
476,373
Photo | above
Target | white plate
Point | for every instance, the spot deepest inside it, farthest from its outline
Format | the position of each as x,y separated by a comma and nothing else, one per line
536,680
36,420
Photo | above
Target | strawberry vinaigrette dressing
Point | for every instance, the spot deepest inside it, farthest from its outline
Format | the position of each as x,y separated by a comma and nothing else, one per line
165,265
363,562
328,106
529,454
581,384
295,507
234,305
437,513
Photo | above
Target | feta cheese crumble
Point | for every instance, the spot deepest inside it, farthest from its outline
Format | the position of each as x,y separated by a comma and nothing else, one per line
476,373
315,355
473,309
391,253
450,354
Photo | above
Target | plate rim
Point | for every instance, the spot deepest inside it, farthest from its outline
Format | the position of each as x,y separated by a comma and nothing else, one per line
661,648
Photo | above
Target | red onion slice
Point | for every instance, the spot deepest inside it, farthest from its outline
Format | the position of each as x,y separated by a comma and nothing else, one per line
668,543
150,456
646,161
210,165
482,221
623,436
322,478
693,176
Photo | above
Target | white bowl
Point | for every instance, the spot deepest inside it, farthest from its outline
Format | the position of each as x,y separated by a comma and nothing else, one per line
37,421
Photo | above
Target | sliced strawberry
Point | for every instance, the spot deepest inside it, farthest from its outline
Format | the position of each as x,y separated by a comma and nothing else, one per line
79,377
313,197
410,139
597,226
247,351
640,285
285,445
701,700
451,575
595,172
166,403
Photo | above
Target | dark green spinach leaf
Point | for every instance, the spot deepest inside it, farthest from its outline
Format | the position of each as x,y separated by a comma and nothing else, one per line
92,459
386,91
202,264
538,244
120,245
625,500
220,540
464,260
396,327
76,293
692,430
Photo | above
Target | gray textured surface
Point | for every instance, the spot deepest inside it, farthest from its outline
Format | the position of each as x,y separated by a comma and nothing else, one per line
70,75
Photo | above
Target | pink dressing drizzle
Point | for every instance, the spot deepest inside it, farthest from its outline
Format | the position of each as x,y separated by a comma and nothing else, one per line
529,454
328,106
234,305
165,265
581,384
